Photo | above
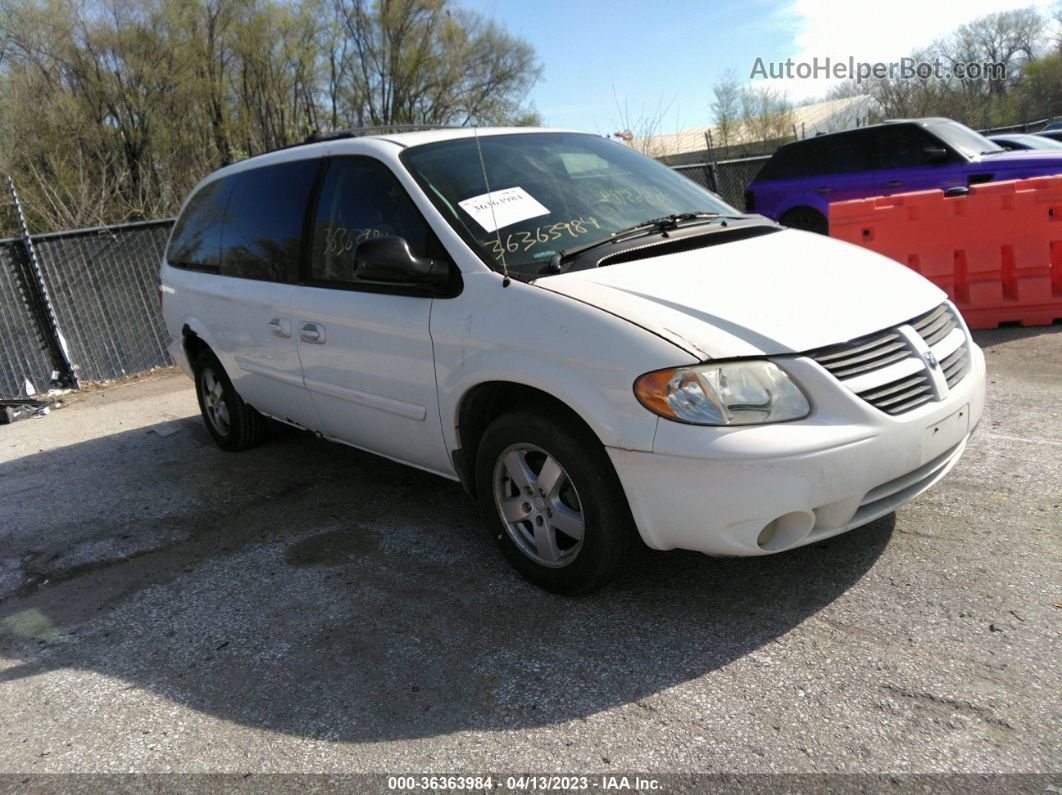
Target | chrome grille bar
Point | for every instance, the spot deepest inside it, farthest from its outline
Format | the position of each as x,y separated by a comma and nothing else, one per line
857,361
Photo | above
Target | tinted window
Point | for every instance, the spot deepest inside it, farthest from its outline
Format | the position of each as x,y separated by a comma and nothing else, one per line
797,160
846,158
903,147
264,219
196,240
849,153
361,200
778,167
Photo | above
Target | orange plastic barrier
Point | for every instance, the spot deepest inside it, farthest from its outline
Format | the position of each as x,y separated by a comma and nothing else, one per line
997,251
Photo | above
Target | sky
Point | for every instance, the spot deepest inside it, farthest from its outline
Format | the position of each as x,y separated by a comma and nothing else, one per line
609,65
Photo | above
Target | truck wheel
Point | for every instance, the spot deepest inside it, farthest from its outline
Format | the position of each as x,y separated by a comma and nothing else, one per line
234,425
551,499
807,219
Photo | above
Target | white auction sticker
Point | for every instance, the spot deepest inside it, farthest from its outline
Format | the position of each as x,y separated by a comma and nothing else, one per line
502,207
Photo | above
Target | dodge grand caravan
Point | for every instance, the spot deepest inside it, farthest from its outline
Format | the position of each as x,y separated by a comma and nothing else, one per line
603,353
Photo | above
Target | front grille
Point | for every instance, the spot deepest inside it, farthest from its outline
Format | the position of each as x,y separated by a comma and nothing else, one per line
859,356
885,368
934,326
956,366
900,395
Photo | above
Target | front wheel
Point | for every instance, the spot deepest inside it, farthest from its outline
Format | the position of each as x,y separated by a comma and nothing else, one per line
551,499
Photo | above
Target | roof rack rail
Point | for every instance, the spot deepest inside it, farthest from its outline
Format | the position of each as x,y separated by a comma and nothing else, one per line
355,132
317,136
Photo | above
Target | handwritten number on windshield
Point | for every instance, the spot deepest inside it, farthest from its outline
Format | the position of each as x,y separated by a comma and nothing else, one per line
529,239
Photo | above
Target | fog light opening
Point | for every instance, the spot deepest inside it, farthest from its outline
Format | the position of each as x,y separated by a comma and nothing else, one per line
786,531
766,534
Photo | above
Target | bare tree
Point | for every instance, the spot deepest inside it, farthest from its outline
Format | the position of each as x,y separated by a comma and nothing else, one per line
111,110
726,106
642,130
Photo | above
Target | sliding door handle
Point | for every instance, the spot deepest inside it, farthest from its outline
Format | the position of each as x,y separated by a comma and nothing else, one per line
280,326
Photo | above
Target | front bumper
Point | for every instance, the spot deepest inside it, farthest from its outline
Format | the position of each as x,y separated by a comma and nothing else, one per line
756,490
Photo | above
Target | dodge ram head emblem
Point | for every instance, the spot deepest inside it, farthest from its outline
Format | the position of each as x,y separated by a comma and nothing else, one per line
931,359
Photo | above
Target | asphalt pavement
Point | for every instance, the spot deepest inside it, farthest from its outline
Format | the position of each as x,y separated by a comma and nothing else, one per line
166,606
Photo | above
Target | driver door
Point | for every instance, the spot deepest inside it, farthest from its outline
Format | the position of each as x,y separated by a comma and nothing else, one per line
904,166
366,352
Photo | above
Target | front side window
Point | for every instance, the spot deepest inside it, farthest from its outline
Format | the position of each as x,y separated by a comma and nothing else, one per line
547,192
361,200
264,220
196,239
904,147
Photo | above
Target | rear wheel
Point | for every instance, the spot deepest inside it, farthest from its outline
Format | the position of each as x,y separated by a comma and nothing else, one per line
233,424
807,219
549,496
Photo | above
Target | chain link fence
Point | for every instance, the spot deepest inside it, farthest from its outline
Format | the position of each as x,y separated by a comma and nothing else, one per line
102,284
728,178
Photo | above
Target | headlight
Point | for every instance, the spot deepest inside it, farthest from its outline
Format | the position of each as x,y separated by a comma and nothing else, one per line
728,393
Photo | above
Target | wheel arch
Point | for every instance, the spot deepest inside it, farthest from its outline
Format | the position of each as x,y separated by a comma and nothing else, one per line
196,338
807,201
823,213
483,403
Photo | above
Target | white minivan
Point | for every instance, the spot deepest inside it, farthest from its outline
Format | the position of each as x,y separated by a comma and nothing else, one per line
602,352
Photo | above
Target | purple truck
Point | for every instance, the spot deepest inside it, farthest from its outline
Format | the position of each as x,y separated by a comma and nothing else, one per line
802,178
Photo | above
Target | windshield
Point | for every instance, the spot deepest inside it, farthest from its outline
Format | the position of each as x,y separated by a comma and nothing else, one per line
548,192
960,137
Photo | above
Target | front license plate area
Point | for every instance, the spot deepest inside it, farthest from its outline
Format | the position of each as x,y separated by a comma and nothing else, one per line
944,434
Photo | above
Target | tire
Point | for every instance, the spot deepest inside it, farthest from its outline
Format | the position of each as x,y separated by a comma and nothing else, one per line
514,452
234,425
807,219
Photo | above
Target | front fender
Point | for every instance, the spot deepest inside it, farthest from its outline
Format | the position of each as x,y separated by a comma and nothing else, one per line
583,356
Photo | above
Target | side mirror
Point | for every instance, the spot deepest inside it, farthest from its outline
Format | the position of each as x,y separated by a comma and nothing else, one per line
935,155
388,259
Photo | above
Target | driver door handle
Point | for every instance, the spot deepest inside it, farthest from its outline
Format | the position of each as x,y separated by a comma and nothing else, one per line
313,333
822,190
893,183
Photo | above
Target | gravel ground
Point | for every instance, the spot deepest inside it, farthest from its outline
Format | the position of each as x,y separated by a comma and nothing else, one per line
307,607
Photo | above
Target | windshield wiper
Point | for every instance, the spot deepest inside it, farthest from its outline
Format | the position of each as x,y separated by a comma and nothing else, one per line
673,221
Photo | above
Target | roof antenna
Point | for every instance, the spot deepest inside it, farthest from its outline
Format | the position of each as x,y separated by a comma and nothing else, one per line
506,281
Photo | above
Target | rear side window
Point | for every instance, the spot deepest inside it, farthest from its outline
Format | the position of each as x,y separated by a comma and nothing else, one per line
850,153
360,200
794,161
262,237
196,240
835,154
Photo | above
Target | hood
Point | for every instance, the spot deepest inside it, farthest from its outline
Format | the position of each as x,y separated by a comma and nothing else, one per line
785,292
1022,159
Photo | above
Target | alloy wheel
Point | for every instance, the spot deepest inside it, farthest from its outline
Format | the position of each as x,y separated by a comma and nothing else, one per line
538,505
217,410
